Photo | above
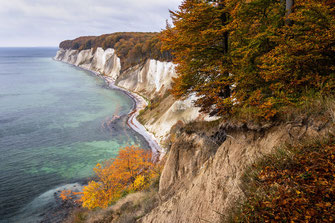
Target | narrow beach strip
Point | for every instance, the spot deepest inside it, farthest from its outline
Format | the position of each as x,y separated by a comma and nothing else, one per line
132,122
139,104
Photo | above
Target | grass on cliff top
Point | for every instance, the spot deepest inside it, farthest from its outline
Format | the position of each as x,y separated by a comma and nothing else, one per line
314,105
297,184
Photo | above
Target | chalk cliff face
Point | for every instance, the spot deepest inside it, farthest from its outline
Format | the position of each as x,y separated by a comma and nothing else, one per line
102,61
160,119
151,80
202,178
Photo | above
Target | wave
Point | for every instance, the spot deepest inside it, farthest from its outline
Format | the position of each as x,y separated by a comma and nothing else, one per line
47,207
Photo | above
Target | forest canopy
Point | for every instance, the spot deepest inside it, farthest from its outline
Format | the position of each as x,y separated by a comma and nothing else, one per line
131,47
252,56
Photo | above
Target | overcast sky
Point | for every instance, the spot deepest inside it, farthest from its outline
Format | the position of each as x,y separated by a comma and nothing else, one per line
48,22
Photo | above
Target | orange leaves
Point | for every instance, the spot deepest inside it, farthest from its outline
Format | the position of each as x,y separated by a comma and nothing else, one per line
300,60
267,63
66,195
70,196
131,170
298,189
198,41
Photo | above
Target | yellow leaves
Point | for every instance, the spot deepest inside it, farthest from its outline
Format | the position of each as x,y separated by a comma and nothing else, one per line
94,196
273,65
323,182
139,183
132,169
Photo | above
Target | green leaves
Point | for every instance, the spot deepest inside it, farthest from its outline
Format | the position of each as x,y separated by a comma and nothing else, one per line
249,45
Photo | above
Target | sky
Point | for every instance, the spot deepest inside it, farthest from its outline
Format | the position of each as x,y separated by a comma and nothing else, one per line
48,22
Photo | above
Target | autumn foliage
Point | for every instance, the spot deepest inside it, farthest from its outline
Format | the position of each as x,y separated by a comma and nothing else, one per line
132,170
131,48
295,186
252,56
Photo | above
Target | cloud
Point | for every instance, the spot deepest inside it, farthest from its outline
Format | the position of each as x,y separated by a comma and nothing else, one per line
46,22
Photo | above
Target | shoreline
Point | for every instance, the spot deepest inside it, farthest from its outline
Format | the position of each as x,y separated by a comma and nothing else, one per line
139,104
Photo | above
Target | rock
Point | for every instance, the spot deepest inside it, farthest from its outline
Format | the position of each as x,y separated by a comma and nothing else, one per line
201,182
102,61
150,80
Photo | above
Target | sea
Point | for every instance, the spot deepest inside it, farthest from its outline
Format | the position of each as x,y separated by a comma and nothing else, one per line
56,123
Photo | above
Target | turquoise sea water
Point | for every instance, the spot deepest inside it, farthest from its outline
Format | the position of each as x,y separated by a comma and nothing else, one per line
55,125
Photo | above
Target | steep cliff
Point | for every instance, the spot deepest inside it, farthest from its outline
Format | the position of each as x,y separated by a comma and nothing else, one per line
202,177
102,61
151,79
161,118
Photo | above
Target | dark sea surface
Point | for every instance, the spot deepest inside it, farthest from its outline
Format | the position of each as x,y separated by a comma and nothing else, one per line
56,123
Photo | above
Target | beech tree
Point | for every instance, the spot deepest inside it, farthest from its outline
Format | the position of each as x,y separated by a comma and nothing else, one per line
242,56
302,61
254,25
199,42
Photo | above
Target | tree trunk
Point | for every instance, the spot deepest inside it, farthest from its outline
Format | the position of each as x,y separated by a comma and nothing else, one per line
224,19
289,6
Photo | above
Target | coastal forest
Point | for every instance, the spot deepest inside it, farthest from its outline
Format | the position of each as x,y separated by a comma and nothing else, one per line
252,58
245,58
259,63
131,48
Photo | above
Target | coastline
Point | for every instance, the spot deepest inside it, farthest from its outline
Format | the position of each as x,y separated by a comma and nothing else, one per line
139,104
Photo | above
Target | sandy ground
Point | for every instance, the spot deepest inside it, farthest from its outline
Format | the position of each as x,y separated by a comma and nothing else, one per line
140,104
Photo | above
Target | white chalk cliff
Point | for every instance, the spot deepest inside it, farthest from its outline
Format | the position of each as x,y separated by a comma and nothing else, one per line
102,61
151,79
203,174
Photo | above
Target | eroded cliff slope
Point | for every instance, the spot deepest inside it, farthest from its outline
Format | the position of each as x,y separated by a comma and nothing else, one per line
202,177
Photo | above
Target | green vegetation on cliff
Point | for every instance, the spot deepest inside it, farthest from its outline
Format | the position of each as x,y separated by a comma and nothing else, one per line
131,47
252,57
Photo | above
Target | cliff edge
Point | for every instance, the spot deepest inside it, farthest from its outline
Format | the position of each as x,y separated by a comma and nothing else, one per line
206,157
151,79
